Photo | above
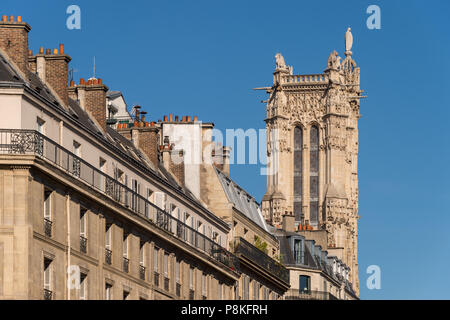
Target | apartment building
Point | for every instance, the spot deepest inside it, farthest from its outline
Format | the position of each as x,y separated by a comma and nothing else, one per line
77,199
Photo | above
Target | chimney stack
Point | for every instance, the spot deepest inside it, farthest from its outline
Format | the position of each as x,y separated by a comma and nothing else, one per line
289,223
53,69
14,41
92,98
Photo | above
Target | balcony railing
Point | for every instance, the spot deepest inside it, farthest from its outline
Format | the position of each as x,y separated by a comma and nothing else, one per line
108,256
48,227
244,248
142,272
83,244
48,295
293,294
126,265
17,141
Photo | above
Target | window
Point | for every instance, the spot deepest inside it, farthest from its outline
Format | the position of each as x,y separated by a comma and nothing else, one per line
142,259
126,262
191,278
298,168
204,286
314,176
83,230
48,279
298,251
77,148
220,291
102,166
40,126
48,212
166,271
156,265
178,278
108,291
126,294
305,284
83,286
108,251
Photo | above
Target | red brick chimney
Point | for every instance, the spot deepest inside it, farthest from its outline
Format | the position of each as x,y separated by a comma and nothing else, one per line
92,98
53,69
14,41
173,160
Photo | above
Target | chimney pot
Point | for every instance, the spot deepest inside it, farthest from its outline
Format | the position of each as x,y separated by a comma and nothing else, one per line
195,118
183,119
19,19
189,119
41,50
165,119
176,119
152,124
55,51
4,18
61,49
95,81
171,117
100,81
72,83
11,19
48,51
82,81
30,53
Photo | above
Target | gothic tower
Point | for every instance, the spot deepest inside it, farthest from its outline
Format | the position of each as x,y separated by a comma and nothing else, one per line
312,146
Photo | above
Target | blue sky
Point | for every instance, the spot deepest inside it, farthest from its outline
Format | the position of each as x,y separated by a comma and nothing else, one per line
204,57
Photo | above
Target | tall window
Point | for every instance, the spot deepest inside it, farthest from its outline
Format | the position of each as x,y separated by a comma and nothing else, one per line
156,266
305,284
40,125
314,176
83,230
126,262
108,291
298,252
204,286
298,167
48,279
108,252
48,212
83,286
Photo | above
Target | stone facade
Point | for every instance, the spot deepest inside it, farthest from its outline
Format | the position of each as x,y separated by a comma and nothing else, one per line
312,130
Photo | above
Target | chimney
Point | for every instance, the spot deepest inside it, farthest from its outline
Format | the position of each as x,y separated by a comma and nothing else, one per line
226,160
14,41
53,69
92,98
173,160
146,138
288,223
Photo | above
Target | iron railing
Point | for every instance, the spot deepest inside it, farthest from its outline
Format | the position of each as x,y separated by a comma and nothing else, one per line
48,295
244,248
126,265
142,272
19,141
293,294
48,227
108,256
83,244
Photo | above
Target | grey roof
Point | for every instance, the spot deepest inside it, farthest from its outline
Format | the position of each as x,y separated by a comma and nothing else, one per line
241,200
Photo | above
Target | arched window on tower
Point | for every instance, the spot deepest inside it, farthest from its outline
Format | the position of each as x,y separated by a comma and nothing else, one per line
314,176
298,167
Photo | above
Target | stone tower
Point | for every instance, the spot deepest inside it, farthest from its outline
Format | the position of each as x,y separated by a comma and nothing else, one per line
312,146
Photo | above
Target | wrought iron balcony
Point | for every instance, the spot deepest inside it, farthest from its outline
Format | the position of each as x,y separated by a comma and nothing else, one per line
142,272
250,252
126,264
48,295
48,227
17,141
108,256
83,244
293,294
